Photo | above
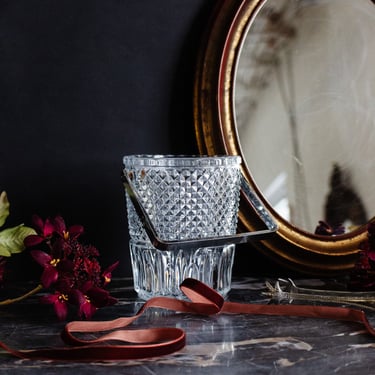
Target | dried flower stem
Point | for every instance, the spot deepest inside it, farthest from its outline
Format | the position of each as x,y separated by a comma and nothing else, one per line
24,296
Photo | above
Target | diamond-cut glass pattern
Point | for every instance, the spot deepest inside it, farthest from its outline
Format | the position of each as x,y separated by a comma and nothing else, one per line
185,198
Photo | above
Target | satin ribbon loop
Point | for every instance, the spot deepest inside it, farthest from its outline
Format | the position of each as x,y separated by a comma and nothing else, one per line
116,343
200,293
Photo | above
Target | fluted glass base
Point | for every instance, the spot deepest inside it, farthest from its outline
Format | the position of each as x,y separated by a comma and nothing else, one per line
160,273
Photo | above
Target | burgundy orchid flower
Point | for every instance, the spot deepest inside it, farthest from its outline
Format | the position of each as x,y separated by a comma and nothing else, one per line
363,275
73,231
70,268
44,231
60,304
47,228
107,274
50,273
86,308
90,298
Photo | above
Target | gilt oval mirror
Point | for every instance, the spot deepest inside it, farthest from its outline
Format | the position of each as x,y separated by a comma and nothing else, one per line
289,86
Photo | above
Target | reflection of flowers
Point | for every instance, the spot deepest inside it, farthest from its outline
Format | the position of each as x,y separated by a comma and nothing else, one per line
71,272
70,268
325,229
363,275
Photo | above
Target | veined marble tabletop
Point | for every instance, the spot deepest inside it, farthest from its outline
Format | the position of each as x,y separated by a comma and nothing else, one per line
219,344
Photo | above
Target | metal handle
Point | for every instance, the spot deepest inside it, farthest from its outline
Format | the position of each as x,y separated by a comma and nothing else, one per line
206,241
287,291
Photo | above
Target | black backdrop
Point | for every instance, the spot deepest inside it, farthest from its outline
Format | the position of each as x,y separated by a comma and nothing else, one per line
83,82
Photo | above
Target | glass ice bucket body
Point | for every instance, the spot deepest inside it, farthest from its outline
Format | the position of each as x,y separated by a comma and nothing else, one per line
185,197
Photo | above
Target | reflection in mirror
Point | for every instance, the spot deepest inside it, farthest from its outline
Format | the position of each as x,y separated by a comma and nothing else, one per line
304,103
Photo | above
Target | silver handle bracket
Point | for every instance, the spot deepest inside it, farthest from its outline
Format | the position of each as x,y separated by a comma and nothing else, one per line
238,238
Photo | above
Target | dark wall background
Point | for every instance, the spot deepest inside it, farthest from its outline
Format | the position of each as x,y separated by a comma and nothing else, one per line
82,83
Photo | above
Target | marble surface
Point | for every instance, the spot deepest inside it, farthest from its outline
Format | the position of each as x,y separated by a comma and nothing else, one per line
221,344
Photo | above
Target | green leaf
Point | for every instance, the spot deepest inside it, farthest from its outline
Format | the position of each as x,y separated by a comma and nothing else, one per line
4,208
11,239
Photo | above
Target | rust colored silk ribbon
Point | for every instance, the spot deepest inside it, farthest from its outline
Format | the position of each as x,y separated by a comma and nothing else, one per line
123,344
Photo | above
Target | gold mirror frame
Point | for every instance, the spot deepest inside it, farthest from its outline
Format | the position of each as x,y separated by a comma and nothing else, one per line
216,133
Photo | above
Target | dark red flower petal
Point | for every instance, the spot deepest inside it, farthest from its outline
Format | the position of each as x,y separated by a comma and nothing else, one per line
371,255
59,224
61,310
38,223
87,286
59,302
100,297
32,240
49,276
87,310
48,228
107,274
41,257
65,265
76,230
49,298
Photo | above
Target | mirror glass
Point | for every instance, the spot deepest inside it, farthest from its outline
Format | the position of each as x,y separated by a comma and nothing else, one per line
304,102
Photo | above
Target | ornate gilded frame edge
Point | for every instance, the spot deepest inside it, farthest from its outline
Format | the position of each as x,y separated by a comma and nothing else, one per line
215,130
